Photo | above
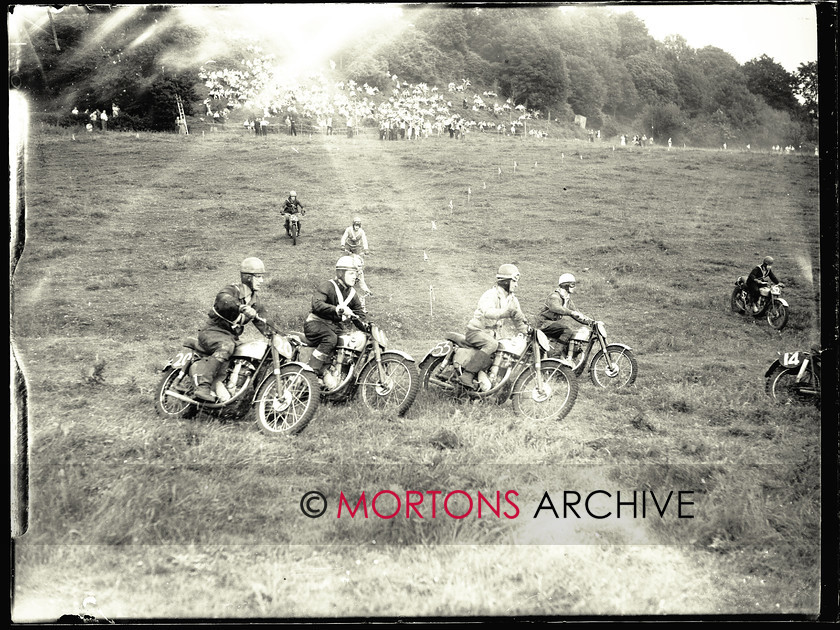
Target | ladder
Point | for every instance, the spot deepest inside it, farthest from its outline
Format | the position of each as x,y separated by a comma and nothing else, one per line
181,116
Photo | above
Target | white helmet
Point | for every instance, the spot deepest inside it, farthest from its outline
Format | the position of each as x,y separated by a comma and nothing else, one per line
292,193
346,263
252,265
508,272
357,220
566,278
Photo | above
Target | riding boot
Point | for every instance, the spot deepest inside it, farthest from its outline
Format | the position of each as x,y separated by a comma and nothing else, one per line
477,362
204,372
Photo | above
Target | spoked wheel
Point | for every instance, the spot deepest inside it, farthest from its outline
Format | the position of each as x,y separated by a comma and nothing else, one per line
782,387
738,301
433,375
295,233
396,390
287,411
777,315
614,370
551,402
168,406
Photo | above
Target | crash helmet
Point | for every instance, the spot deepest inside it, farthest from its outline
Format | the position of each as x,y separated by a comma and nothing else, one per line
359,260
344,266
768,260
566,278
249,269
508,272
357,222
292,194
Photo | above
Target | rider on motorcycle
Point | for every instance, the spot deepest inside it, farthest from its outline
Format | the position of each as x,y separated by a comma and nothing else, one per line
333,303
292,206
553,319
354,239
235,306
495,306
758,279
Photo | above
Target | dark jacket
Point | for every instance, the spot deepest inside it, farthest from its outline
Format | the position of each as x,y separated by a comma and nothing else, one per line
556,307
226,312
325,303
292,207
761,274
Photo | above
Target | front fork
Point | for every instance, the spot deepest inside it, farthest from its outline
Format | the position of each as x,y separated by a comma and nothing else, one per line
612,368
377,352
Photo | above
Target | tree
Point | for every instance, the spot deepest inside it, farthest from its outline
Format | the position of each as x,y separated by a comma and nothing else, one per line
807,88
534,75
768,79
586,87
653,82
634,38
663,120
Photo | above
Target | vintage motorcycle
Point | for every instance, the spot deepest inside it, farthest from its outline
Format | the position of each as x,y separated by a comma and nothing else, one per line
294,226
385,380
771,304
262,376
794,377
540,388
612,366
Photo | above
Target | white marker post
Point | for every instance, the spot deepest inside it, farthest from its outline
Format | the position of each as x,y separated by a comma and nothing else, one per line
431,302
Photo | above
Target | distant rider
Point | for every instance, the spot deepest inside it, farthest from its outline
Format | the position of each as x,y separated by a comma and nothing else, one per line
333,303
292,206
495,306
354,241
558,309
235,306
758,279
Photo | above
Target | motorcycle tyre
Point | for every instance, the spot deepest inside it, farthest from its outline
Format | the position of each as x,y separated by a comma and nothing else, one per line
523,386
780,321
369,377
295,233
736,302
778,386
180,409
599,358
266,394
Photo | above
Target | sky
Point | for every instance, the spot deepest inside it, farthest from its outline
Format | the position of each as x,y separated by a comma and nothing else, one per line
785,32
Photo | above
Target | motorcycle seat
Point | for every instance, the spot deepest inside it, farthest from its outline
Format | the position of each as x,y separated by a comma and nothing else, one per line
458,339
300,336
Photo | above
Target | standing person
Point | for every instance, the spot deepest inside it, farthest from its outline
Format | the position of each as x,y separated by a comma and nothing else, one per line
758,279
235,306
292,128
557,309
292,206
103,120
495,306
349,127
333,303
289,125
329,125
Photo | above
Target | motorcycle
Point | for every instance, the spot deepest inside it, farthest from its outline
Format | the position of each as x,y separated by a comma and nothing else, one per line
794,377
261,375
294,226
770,304
385,380
612,366
540,388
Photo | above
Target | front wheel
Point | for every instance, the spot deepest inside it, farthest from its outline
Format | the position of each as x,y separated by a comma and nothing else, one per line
738,301
782,387
168,406
295,233
551,402
615,369
287,412
397,388
777,315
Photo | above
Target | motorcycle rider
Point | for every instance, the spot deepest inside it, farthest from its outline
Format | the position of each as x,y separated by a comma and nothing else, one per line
495,306
354,239
558,309
758,279
333,303
292,206
235,305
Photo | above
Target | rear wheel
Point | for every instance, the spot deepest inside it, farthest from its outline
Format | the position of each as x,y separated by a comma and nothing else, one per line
614,370
551,402
782,387
738,301
288,410
777,315
295,232
397,388
167,405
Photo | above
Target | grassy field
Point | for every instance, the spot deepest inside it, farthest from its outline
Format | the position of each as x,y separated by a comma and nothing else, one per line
128,238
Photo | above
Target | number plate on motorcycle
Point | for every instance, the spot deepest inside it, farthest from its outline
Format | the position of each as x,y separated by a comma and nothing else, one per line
182,358
790,360
442,349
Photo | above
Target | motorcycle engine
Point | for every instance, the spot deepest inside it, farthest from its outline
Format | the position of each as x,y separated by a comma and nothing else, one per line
240,370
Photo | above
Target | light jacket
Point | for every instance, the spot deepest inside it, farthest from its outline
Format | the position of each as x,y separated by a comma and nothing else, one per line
494,307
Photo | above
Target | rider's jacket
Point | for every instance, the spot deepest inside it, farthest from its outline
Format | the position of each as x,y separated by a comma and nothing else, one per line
354,240
760,274
556,306
326,299
494,307
292,206
225,312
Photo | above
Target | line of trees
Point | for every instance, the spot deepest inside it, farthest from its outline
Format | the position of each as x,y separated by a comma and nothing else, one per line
590,61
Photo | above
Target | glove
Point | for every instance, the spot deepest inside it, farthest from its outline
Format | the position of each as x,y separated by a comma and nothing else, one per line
249,312
344,311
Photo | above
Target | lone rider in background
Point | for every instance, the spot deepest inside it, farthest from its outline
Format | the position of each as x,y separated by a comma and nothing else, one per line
558,309
292,206
235,306
758,279
333,303
495,306
354,242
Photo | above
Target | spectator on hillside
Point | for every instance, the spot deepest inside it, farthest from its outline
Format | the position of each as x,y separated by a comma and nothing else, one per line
103,119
